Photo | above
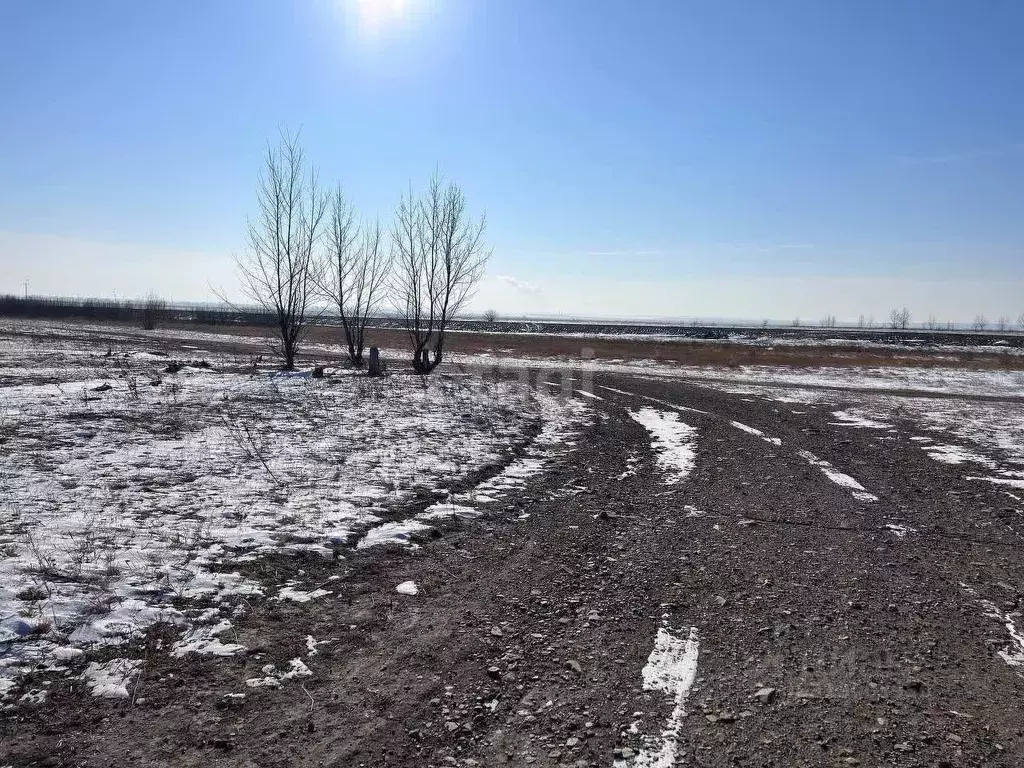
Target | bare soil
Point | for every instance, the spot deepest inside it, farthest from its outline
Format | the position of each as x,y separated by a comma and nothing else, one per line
526,642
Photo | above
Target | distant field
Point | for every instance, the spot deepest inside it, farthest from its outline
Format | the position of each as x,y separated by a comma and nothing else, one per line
799,348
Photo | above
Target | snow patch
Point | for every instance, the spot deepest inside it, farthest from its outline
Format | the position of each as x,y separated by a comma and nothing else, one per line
274,677
408,588
847,419
756,433
673,440
956,454
110,679
298,596
205,641
837,477
391,533
672,669
1013,654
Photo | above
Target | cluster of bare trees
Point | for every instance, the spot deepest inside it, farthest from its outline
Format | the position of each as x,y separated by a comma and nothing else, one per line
899,318
307,253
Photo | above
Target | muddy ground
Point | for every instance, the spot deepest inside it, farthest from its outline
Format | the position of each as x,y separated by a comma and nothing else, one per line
526,642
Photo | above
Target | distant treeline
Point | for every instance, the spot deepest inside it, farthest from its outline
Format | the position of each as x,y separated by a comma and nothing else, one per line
149,311
152,312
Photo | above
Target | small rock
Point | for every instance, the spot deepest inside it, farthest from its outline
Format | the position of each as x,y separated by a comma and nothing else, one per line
494,673
574,666
765,695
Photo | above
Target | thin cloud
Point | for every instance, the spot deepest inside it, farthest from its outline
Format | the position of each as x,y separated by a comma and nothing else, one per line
622,253
520,285
969,155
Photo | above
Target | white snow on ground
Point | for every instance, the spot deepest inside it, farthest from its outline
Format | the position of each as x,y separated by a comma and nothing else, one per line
124,489
298,596
562,420
899,530
837,477
1013,654
274,677
757,433
672,439
408,588
591,395
631,466
111,679
656,400
672,669
846,419
392,533
956,454
995,427
1012,482
944,381
444,510
206,641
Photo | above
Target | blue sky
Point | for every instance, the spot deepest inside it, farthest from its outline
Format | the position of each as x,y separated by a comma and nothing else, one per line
714,158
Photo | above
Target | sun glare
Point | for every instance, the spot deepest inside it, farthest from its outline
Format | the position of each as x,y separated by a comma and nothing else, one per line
375,15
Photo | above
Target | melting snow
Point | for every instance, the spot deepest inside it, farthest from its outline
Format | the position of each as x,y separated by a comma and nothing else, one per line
757,433
298,596
408,588
273,677
673,439
847,419
838,477
391,533
955,454
205,641
111,679
672,669
119,505
1013,654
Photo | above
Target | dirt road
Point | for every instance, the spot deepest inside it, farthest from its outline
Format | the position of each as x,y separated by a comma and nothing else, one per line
826,627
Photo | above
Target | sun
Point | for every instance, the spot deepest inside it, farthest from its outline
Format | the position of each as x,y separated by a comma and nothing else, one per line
377,14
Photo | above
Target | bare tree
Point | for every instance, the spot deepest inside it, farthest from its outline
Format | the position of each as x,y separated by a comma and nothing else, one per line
899,318
151,309
277,271
1003,322
980,322
933,322
353,273
490,316
1020,321
440,256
